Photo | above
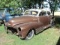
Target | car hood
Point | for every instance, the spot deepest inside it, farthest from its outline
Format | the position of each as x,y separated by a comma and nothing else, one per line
23,19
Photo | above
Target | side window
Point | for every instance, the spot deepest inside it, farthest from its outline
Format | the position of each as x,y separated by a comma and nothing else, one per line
48,13
42,14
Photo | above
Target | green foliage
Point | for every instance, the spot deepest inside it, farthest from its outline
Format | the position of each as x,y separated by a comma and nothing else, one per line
17,3
54,4
22,3
10,3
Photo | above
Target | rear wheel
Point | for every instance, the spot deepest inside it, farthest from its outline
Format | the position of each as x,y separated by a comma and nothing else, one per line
30,34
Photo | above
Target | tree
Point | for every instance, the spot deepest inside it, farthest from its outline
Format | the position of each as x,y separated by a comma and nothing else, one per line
22,3
10,3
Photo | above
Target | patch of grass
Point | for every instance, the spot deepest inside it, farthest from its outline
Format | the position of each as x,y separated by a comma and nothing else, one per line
48,37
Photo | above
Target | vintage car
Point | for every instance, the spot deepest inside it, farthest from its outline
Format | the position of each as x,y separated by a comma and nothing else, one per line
31,22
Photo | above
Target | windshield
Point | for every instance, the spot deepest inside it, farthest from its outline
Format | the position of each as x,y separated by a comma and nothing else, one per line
30,13
4,12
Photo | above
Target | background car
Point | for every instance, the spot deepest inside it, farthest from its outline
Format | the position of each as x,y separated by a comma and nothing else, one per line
6,14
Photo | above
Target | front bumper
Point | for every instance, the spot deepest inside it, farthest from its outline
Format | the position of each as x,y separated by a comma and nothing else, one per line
14,29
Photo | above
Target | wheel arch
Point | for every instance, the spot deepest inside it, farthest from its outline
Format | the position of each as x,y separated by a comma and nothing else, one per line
33,29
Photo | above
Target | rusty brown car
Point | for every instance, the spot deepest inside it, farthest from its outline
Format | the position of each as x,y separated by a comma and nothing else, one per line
31,22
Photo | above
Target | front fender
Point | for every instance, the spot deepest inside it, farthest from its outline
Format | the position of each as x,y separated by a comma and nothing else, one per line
25,28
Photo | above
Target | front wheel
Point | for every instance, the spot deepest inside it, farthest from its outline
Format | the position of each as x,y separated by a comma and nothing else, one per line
30,34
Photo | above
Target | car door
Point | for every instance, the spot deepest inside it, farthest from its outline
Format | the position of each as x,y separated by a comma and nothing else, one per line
50,16
44,18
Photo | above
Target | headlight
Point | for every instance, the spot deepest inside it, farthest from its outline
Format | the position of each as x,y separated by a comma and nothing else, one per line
11,23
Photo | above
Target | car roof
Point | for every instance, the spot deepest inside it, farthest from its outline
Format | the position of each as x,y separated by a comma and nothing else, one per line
46,9
39,10
35,9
